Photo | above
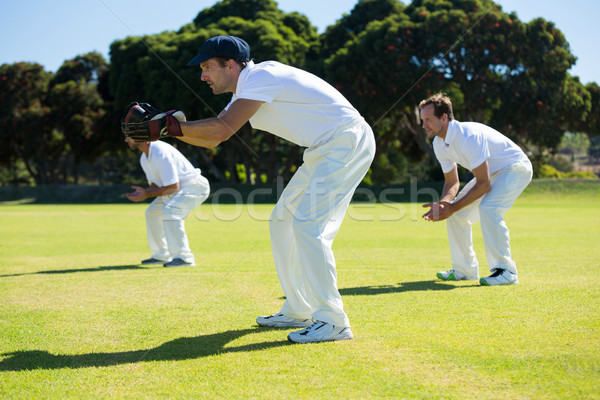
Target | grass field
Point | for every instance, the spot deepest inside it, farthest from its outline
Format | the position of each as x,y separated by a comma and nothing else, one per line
79,318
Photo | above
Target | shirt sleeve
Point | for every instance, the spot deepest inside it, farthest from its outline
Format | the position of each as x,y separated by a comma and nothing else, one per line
445,162
167,170
477,150
260,85
146,169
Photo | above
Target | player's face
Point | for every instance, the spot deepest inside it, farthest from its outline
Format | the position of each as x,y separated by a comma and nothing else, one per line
216,76
133,145
433,125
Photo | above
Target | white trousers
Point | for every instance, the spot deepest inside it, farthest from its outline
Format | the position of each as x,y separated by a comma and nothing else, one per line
307,218
165,226
507,185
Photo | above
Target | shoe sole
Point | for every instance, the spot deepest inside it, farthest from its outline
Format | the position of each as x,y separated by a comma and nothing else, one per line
453,278
449,278
320,341
483,282
284,325
181,265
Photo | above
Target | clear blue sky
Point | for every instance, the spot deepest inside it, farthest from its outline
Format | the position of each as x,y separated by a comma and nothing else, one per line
50,32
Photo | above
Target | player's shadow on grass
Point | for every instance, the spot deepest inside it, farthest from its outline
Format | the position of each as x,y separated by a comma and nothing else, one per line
400,288
185,348
72,271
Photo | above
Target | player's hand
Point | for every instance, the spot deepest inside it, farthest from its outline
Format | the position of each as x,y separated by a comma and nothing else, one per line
142,122
138,195
438,211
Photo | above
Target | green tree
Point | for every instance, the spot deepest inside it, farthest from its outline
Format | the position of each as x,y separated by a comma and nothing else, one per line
51,122
591,125
88,68
351,25
153,69
374,71
78,112
594,151
573,143
75,108
24,130
496,69
378,69
540,100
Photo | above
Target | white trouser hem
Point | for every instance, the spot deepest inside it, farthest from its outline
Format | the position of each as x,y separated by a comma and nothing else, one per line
165,226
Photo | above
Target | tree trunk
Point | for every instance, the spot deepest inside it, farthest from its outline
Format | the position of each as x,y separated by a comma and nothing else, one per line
212,166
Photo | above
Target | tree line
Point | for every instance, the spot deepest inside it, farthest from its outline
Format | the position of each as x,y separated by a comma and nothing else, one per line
384,56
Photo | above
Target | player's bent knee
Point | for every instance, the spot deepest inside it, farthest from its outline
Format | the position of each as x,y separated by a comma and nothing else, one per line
306,228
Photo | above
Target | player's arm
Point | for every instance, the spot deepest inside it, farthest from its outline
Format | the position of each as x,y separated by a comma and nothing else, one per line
212,131
451,185
481,187
141,194
155,191
445,208
440,210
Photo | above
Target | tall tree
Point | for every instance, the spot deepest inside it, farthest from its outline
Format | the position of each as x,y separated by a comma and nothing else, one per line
591,125
351,25
497,70
24,128
77,109
51,121
378,69
153,69
537,95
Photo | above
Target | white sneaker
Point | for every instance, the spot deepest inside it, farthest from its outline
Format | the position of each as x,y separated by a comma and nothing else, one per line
320,332
500,277
453,275
281,321
152,260
178,262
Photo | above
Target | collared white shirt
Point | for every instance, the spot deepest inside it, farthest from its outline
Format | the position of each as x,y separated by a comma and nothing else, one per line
165,165
470,144
298,106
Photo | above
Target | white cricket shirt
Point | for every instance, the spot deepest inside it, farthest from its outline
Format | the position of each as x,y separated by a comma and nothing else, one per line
165,165
298,106
469,144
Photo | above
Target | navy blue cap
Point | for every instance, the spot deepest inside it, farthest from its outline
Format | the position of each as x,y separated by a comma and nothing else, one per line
223,46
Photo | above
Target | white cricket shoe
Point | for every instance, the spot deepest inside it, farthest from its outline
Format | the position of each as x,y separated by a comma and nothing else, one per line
500,277
320,332
281,321
453,275
178,262
152,260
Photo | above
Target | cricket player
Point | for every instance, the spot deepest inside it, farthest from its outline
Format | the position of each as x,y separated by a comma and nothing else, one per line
340,146
501,172
177,188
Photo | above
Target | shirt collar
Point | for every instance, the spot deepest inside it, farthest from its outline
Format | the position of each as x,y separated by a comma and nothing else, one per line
244,75
453,128
150,147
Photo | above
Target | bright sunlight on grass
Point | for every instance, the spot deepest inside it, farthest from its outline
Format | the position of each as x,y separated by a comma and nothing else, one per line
80,318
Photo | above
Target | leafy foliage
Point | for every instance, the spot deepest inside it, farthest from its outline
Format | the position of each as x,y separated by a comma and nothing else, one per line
153,69
384,56
51,122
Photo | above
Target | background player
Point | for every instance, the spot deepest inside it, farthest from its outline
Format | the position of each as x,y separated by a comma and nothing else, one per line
501,172
178,188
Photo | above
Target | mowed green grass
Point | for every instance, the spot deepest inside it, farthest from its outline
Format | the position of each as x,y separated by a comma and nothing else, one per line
79,318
